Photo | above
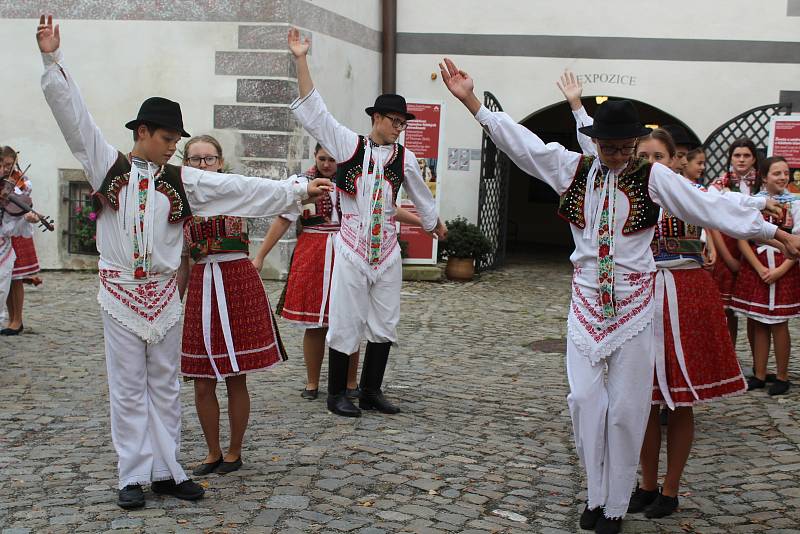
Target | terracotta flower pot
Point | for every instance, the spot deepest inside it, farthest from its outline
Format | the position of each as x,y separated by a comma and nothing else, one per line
460,269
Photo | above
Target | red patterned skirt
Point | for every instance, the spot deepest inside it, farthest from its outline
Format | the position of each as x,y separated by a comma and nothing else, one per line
256,340
304,288
710,358
754,298
724,277
26,264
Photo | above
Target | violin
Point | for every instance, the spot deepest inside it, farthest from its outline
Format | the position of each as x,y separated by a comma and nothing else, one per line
17,205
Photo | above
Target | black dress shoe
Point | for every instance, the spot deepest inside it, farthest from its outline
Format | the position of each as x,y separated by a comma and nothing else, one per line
186,490
779,387
608,526
661,507
755,383
376,401
204,468
229,467
131,497
641,499
341,405
589,517
310,394
12,331
354,393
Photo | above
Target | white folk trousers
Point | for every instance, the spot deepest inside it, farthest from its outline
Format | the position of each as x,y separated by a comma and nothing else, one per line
143,388
360,308
609,415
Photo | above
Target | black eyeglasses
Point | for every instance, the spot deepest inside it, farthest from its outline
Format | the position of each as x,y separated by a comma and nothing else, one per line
610,150
397,123
194,161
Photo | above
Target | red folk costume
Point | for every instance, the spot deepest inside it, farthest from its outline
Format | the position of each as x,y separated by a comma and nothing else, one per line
702,365
778,302
228,325
27,263
307,291
723,276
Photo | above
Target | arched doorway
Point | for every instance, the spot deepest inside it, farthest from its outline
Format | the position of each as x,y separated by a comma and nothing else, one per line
532,224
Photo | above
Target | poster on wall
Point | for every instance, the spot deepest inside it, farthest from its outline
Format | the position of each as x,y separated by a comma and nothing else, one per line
784,140
422,137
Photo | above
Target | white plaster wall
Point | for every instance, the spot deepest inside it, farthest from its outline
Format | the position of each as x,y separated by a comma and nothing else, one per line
117,64
686,19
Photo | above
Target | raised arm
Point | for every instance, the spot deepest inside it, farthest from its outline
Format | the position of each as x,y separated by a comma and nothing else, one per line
551,163
311,112
572,89
212,193
61,92
694,206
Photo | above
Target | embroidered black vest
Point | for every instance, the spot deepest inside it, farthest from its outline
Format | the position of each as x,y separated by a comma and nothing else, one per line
168,182
633,182
348,172
675,238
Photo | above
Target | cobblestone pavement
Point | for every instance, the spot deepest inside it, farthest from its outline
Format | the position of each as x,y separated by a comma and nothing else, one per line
483,445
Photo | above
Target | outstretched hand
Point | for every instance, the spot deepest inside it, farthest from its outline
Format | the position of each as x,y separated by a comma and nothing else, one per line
791,242
440,232
48,36
773,208
457,81
571,88
298,46
318,187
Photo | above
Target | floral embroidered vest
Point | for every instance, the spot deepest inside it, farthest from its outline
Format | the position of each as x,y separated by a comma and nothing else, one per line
215,235
786,221
167,181
348,172
633,182
675,239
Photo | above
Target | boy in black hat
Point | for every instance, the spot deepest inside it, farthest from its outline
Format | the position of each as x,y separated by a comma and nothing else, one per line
142,201
612,202
367,273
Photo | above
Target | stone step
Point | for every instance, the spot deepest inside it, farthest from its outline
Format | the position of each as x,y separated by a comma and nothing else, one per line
422,273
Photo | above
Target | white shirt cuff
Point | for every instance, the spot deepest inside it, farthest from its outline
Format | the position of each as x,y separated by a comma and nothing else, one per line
299,101
483,114
769,230
300,187
52,58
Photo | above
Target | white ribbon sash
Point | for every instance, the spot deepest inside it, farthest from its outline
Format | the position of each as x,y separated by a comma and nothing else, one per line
665,285
213,273
770,252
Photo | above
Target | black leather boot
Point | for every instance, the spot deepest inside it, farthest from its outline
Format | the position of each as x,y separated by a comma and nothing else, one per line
375,357
338,403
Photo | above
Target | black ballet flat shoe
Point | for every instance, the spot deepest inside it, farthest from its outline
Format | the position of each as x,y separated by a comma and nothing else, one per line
229,467
661,507
204,468
310,394
770,378
341,405
641,499
608,526
131,497
354,393
589,517
779,387
187,490
12,331
755,383
376,401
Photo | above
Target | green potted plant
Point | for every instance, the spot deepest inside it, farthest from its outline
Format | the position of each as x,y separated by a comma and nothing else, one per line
465,243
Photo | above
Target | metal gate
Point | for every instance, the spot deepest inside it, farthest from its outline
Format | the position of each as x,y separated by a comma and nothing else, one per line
753,124
492,195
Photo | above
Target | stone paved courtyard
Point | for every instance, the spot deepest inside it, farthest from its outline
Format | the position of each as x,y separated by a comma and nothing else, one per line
483,445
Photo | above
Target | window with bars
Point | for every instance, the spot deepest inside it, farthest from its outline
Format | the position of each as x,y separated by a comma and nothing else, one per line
82,224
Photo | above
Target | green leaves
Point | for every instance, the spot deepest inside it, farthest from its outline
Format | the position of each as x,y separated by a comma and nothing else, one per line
464,240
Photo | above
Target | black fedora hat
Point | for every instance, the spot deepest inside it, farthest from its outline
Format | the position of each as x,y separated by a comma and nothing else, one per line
681,136
161,112
390,103
616,119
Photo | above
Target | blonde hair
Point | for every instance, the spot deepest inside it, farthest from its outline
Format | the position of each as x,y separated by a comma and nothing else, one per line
201,139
